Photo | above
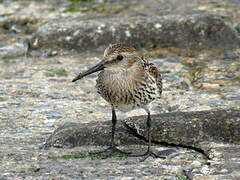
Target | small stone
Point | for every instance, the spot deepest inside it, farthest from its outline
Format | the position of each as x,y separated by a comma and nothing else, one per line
129,163
14,50
157,25
166,152
205,169
196,164
54,53
126,178
188,173
207,85
172,178
54,95
103,104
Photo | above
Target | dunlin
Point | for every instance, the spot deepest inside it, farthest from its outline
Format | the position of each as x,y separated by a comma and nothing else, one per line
126,81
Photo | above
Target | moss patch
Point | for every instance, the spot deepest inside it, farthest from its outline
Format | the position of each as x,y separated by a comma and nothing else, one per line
236,79
59,72
101,8
2,99
86,155
75,5
237,28
8,58
88,6
180,177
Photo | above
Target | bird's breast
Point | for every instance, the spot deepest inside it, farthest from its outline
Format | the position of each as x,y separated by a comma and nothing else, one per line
126,92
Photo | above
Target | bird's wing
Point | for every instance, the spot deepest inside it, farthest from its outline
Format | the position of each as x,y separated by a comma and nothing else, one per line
153,71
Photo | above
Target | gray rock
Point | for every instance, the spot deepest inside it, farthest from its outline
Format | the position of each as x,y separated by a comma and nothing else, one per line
14,50
188,173
166,152
215,133
194,32
96,133
189,129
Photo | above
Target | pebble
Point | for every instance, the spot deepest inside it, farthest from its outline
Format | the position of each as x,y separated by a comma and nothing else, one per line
49,122
188,173
14,50
166,152
172,178
55,95
196,164
205,169
129,163
125,178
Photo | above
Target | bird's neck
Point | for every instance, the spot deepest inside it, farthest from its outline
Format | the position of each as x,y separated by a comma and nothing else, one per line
122,78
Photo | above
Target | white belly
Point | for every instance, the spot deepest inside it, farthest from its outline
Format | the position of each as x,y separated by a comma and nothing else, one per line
126,108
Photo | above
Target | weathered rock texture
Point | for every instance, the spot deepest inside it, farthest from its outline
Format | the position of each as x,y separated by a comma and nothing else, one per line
190,129
214,133
193,32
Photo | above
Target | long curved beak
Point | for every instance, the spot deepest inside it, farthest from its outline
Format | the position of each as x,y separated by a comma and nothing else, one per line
98,67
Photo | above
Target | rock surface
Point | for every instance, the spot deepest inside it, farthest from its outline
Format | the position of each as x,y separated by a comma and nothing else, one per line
187,129
193,32
192,128
37,96
212,133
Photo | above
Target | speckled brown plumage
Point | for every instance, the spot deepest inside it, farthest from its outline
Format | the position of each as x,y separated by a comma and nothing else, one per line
130,84
127,81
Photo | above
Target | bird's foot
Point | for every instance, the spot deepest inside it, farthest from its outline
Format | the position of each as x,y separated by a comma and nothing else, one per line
110,151
147,155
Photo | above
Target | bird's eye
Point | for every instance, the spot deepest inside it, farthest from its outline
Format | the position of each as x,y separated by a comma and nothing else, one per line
120,57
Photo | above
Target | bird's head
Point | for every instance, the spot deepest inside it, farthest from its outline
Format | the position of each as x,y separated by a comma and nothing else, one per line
115,58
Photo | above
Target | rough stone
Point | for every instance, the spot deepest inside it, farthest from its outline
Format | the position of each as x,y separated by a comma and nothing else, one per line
214,133
192,32
189,129
14,50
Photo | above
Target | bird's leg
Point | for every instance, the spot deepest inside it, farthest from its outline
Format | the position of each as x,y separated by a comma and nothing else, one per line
112,149
149,122
149,151
114,122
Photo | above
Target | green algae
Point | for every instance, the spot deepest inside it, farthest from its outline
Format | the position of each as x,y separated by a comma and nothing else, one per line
88,155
